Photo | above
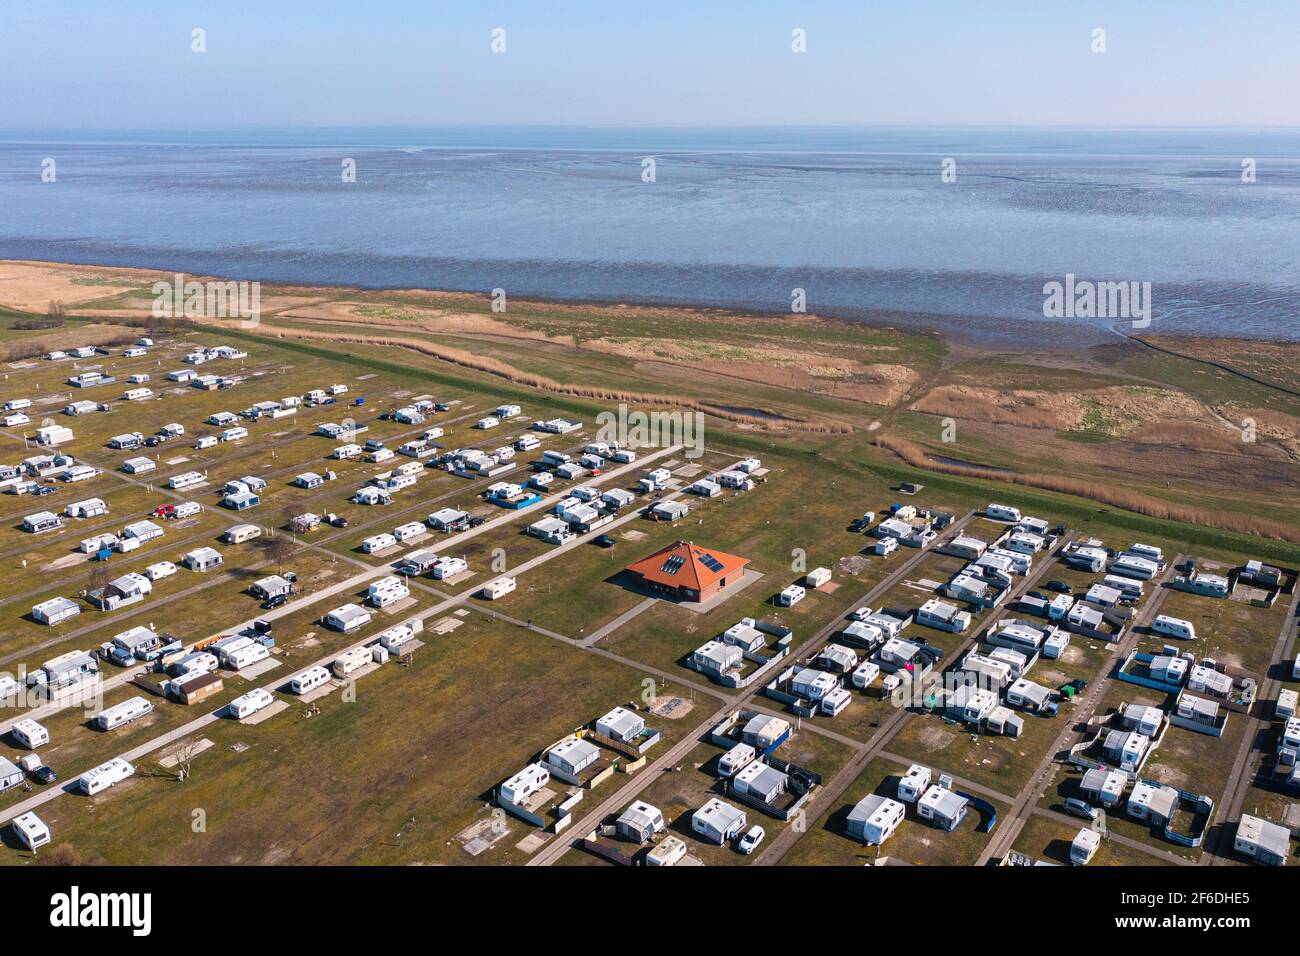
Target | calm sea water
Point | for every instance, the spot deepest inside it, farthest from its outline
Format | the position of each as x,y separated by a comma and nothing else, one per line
860,219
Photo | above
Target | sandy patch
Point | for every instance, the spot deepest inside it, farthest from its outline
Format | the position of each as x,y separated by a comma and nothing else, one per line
1117,410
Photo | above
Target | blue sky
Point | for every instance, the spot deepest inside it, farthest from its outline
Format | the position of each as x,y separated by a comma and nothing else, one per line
128,64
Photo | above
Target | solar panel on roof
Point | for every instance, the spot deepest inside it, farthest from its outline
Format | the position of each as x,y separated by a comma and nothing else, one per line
710,562
673,564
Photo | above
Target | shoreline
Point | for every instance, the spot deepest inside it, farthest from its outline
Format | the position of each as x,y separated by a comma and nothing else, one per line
961,330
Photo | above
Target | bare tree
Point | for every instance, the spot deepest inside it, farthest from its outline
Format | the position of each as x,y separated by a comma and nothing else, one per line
279,548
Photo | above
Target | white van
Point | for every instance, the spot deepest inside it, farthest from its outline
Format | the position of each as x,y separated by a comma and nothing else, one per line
248,704
104,776
123,713
30,734
31,830
309,679
1173,627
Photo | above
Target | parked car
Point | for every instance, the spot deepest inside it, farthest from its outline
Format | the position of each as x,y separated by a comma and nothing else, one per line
603,541
44,775
1060,587
274,601
752,838
1080,808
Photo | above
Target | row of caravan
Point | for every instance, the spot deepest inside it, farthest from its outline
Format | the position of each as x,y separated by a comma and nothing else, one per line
390,643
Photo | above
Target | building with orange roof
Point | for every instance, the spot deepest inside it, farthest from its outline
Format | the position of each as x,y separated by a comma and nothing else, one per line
689,572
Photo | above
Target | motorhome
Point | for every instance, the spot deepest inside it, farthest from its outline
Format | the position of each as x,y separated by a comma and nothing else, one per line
412,529
66,670
791,595
1173,627
348,618
247,656
387,591
124,713
351,660
1132,566
79,473
309,680
104,776
241,533
1148,551
31,830
393,639
193,664
913,783
378,542
248,704
498,588
1130,588
30,734
186,479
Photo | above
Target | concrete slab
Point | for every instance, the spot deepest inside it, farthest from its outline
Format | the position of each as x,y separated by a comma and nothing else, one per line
258,669
266,713
324,690
174,755
405,604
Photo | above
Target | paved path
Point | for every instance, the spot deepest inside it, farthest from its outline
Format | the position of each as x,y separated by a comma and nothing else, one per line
619,621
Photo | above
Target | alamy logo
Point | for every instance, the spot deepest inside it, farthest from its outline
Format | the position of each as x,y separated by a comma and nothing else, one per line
76,909
1085,299
215,299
